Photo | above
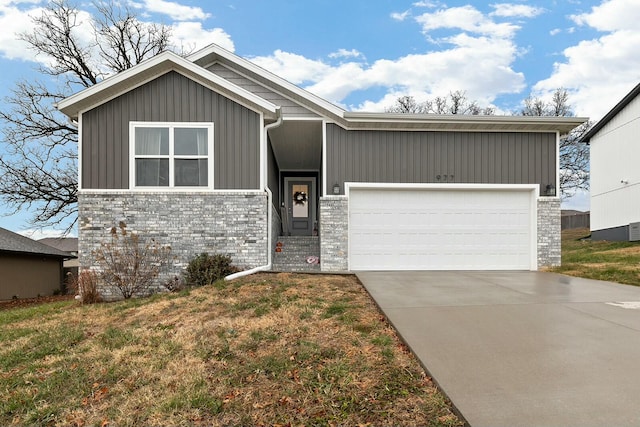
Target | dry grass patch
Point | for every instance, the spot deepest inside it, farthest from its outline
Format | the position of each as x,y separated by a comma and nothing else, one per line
601,260
264,350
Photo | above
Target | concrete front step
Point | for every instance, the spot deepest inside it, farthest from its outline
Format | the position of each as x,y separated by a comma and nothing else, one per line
294,251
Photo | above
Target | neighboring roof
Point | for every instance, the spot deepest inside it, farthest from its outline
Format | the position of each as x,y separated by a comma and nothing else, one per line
195,67
15,243
65,244
150,69
611,114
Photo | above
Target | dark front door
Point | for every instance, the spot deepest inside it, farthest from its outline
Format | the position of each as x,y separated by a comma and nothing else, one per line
300,202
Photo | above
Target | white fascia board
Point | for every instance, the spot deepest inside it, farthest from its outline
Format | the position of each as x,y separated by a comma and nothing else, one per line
79,158
250,66
164,62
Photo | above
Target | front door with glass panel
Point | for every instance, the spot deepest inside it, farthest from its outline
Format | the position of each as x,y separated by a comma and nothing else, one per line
300,203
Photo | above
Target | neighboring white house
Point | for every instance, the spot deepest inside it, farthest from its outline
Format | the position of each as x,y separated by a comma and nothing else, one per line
615,171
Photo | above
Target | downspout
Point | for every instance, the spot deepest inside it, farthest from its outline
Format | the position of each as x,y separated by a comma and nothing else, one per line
267,266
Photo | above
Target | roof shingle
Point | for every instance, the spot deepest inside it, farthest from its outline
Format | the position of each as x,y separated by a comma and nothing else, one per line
13,242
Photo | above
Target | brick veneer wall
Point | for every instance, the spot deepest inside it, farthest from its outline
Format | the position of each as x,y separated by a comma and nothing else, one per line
549,234
233,223
334,233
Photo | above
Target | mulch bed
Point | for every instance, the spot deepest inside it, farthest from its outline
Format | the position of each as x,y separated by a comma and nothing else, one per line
28,302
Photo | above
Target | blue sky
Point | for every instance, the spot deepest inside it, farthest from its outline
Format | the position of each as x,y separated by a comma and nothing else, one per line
363,54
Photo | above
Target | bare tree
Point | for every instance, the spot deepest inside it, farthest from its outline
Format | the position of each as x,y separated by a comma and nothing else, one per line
407,105
574,155
455,103
40,168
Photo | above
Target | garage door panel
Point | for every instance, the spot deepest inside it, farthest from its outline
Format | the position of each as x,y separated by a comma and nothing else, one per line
440,229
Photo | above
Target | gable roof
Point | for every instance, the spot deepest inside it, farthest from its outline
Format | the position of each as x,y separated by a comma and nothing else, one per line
15,243
65,244
152,68
611,114
214,53
396,121
194,67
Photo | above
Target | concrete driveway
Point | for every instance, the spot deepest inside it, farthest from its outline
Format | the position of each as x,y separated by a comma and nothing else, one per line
521,348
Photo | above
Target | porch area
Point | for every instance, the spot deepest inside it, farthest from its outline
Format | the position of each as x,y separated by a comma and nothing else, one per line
297,254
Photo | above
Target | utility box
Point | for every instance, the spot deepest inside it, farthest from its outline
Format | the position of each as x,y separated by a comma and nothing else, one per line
634,231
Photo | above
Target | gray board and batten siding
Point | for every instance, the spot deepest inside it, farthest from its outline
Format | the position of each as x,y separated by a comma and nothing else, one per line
171,97
440,157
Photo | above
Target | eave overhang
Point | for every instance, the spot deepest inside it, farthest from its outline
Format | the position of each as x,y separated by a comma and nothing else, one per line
456,122
611,114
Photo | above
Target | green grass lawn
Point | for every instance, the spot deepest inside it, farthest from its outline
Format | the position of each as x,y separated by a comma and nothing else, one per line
268,349
601,260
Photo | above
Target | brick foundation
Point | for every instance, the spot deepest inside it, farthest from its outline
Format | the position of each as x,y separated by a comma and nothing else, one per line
232,223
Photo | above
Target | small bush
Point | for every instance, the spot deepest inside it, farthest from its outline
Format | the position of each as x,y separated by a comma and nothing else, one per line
174,284
129,263
85,284
206,269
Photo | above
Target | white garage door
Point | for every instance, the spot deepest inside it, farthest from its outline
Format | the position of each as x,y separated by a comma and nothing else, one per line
441,229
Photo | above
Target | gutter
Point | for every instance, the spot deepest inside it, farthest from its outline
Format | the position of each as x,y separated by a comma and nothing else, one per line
267,266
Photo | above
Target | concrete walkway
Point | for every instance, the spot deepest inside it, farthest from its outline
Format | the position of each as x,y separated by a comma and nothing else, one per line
521,348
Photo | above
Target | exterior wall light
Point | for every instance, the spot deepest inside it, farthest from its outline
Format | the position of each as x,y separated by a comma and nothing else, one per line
336,188
551,190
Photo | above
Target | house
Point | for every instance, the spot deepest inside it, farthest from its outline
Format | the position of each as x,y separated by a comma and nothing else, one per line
615,175
214,153
70,246
28,268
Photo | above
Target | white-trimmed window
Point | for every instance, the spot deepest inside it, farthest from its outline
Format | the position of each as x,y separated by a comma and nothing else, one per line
171,155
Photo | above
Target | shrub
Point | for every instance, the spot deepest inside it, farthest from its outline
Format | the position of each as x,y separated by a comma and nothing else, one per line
128,263
206,269
86,285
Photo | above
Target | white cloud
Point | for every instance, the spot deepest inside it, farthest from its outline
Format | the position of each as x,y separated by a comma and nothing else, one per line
422,75
401,16
465,18
555,32
510,10
477,58
425,3
344,53
192,36
599,72
293,67
611,15
174,10
14,21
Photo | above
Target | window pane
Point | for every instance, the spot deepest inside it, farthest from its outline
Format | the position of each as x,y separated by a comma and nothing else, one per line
190,141
152,172
300,195
191,173
152,141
